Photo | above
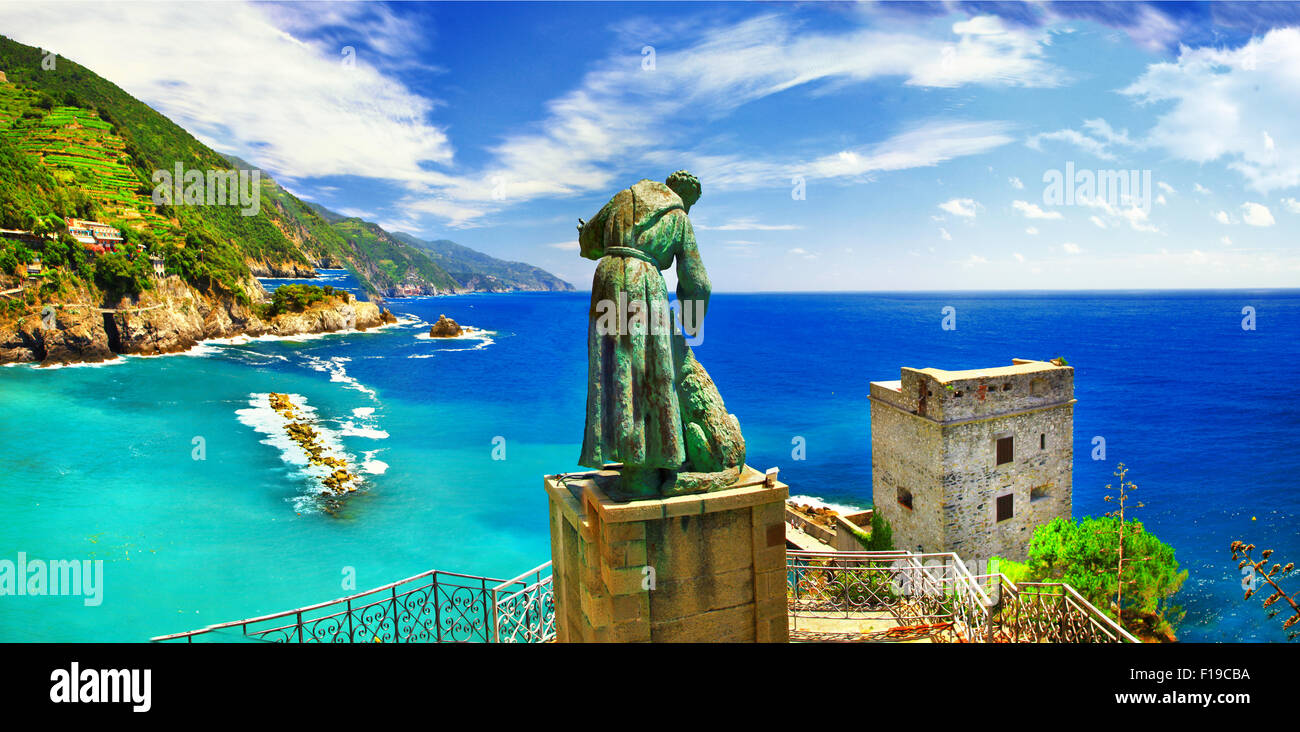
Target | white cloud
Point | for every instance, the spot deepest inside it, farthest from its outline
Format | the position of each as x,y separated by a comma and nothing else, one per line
1221,101
1032,231
1033,211
1098,139
1291,204
1226,241
964,207
1136,216
943,234
1019,257
226,73
239,77
566,245
1097,220
1166,187
1223,218
1071,248
927,145
1256,214
974,260
1017,184
1200,189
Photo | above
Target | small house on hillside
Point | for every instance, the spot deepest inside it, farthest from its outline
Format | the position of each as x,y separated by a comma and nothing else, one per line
34,268
93,235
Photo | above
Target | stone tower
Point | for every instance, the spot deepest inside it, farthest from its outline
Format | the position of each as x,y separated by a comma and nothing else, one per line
971,461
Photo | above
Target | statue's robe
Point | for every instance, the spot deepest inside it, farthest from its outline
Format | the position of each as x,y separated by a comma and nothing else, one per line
633,410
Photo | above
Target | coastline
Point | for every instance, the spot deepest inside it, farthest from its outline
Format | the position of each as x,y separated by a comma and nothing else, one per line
172,318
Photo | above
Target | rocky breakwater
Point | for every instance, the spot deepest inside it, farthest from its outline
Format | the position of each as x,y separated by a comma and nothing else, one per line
340,480
170,318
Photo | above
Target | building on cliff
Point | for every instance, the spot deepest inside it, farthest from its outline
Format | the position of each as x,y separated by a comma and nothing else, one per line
971,461
95,236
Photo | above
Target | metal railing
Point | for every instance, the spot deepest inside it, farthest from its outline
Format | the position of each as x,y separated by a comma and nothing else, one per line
1049,612
934,596
431,607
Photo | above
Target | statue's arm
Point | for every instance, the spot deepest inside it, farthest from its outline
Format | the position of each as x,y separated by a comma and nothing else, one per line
591,235
692,279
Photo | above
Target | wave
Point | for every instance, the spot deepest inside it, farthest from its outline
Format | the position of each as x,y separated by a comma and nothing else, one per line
338,372
816,502
115,361
372,466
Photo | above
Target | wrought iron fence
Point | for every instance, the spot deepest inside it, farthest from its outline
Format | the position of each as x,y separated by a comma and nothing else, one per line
932,595
432,607
1047,612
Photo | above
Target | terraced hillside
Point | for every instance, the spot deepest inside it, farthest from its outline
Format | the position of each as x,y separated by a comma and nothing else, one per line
73,144
82,150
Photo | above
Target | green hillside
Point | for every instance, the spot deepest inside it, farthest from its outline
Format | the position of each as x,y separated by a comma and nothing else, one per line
73,144
392,263
468,269
476,270
101,144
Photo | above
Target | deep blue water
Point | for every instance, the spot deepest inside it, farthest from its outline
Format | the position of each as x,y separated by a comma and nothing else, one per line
100,465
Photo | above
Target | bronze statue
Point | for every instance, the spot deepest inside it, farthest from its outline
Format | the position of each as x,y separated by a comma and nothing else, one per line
650,405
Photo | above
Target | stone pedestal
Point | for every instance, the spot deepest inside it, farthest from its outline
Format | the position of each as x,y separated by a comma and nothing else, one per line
701,568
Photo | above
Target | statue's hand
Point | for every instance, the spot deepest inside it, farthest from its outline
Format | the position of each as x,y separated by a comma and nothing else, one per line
581,224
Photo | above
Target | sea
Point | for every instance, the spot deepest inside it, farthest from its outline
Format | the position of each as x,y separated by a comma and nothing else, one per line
174,471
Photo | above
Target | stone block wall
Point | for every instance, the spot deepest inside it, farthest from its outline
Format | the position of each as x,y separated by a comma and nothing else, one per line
706,568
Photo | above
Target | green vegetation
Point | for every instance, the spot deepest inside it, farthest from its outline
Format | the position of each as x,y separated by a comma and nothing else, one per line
1085,555
389,261
295,298
93,157
878,538
73,144
118,275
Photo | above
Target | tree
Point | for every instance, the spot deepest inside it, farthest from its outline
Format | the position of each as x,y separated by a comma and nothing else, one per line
1084,555
117,275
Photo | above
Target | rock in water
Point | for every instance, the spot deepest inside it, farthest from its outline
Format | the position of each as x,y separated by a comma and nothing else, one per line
444,328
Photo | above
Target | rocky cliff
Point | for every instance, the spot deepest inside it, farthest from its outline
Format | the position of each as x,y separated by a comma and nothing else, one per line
171,318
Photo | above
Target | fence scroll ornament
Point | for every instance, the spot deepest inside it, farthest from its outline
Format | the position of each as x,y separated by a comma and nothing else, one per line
651,406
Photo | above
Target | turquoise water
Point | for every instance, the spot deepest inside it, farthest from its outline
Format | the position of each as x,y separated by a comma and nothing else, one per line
99,461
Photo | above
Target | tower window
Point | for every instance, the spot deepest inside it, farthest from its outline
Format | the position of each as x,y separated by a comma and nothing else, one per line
905,498
1042,441
1006,452
1004,507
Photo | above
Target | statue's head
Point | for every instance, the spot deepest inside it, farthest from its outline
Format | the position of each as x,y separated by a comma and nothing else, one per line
686,186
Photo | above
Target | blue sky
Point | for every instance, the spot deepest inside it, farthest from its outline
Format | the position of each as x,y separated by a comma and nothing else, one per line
920,135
